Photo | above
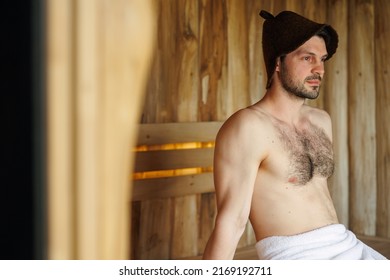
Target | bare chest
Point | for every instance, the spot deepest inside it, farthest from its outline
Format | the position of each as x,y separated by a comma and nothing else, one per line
309,152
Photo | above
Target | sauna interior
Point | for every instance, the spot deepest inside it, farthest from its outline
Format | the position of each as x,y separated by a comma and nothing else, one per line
127,97
207,64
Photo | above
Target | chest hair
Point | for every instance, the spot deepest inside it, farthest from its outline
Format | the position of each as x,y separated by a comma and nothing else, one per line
310,153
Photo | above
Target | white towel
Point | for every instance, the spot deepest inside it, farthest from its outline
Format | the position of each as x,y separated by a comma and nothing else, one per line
333,242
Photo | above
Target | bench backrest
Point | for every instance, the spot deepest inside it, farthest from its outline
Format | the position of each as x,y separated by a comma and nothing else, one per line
174,159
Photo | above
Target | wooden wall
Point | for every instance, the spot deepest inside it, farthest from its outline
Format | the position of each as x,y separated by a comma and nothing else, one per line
208,64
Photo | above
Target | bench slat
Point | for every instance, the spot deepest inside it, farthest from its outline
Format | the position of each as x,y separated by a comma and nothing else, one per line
173,159
172,186
166,133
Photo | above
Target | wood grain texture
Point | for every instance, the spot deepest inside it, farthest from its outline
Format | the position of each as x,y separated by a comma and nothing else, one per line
257,72
173,186
60,157
213,48
382,71
237,84
155,228
181,132
362,132
173,159
185,227
207,213
186,108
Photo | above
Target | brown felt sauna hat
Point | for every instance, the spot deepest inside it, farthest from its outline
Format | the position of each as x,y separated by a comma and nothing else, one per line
286,32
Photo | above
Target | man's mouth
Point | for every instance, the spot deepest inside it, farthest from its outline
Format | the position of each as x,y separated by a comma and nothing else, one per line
314,82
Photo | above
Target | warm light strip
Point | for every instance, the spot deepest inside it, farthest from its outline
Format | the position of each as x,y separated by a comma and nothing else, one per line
175,146
171,173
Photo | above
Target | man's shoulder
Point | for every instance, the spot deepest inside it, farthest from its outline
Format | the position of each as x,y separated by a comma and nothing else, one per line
245,125
248,118
245,130
317,115
319,118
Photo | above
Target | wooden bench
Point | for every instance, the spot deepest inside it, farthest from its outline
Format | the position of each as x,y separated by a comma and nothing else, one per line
174,159
173,190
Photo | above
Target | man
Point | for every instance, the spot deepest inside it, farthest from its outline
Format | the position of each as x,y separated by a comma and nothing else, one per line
272,159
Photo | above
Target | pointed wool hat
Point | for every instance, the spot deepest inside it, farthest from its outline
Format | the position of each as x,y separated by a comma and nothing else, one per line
286,32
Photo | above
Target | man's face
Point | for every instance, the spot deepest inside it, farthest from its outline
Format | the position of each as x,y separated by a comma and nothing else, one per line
301,71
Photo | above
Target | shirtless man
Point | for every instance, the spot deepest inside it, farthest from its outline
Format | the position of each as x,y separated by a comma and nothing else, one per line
272,159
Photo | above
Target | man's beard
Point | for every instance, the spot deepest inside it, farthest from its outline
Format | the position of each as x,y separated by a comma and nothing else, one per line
296,88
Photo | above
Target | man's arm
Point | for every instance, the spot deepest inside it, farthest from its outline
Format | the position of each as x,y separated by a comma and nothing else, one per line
237,157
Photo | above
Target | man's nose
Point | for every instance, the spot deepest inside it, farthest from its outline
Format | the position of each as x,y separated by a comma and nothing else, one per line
319,68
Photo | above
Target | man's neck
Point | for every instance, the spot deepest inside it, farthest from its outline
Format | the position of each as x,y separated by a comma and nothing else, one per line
283,105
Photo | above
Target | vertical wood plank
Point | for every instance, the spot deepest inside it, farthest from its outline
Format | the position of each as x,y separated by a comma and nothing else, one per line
382,60
185,92
187,61
335,94
87,99
278,6
213,59
296,6
160,91
135,212
60,57
257,72
236,94
185,227
213,55
362,141
155,230
207,213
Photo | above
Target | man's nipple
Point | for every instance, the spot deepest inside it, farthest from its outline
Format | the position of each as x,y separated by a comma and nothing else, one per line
293,180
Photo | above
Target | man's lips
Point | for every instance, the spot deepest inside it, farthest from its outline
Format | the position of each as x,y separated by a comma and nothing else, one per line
314,82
